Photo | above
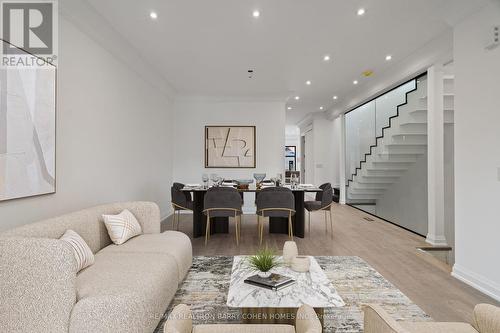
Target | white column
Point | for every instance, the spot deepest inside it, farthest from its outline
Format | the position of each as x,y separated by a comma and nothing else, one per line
342,178
435,164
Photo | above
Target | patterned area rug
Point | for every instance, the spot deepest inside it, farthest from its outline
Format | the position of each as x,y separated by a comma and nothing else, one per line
206,285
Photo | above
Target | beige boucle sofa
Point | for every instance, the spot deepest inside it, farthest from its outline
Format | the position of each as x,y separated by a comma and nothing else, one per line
127,289
485,319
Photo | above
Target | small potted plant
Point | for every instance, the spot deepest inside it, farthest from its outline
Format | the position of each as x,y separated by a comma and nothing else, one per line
263,262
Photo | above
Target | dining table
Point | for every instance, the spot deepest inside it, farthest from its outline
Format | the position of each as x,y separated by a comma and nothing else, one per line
277,225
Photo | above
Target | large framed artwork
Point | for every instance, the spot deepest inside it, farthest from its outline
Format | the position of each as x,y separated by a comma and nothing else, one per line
27,129
230,147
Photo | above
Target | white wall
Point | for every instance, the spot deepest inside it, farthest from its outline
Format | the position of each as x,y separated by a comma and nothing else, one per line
323,150
113,135
449,188
336,149
323,156
191,117
477,152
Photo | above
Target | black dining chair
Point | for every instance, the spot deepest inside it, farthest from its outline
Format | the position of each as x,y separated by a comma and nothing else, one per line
322,202
275,202
223,202
180,201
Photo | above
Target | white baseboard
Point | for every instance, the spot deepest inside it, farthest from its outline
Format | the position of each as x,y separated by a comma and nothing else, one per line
477,281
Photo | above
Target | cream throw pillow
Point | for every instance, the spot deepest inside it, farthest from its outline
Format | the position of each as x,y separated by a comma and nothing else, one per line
82,252
122,227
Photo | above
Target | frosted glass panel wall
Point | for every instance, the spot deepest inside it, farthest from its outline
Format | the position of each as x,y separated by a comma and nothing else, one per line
386,156
360,135
365,123
386,106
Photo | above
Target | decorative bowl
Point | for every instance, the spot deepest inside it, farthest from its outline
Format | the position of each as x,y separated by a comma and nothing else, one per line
301,264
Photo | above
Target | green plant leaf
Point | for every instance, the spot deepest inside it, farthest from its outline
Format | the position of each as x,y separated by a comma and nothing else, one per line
264,260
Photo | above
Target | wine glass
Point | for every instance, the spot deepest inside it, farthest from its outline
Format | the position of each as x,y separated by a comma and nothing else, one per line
205,179
259,177
275,181
214,177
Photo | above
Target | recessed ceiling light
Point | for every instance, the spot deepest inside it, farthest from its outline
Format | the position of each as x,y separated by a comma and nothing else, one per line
297,98
355,82
361,12
256,13
289,108
335,97
326,58
308,82
388,57
153,15
321,107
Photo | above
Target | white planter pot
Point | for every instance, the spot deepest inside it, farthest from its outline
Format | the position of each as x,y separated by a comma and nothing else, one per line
264,275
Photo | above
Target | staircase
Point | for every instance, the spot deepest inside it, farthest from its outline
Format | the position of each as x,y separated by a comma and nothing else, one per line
402,142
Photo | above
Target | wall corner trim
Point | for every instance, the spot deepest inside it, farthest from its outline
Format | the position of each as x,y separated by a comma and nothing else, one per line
476,281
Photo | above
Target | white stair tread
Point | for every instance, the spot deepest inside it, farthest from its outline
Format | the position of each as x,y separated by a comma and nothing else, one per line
448,94
410,134
358,186
413,123
425,110
406,145
387,169
398,155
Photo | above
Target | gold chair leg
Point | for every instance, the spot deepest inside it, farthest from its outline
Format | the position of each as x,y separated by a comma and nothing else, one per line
309,221
236,230
207,229
261,231
178,219
290,226
173,221
258,225
239,226
331,221
326,222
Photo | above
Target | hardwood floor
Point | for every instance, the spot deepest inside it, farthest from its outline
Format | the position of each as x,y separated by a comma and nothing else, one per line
389,249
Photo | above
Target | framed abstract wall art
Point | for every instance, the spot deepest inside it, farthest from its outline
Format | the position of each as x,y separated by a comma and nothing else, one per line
230,147
27,129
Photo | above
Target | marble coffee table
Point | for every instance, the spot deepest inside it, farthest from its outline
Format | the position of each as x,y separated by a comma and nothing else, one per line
260,305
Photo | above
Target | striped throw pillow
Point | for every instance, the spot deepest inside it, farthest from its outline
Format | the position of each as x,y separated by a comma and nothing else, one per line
82,252
122,227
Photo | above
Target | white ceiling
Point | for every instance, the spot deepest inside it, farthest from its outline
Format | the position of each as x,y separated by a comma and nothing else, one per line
204,48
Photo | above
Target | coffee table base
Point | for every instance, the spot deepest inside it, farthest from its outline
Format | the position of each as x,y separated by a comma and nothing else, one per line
284,316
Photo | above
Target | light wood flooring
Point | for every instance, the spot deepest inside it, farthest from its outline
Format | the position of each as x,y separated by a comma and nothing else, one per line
389,249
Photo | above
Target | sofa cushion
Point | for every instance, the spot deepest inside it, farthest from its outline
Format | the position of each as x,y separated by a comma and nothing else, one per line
124,292
173,243
486,318
121,227
244,329
82,252
426,327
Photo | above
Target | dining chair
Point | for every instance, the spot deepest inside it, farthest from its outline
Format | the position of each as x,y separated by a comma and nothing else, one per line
275,202
180,201
223,202
322,202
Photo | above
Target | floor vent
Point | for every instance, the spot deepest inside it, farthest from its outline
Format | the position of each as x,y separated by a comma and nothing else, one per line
369,219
